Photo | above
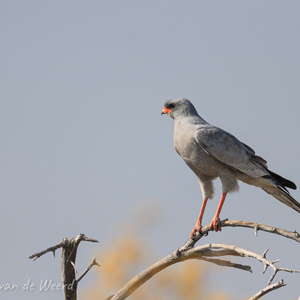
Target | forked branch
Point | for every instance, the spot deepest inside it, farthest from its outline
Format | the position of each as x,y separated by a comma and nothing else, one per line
209,253
68,269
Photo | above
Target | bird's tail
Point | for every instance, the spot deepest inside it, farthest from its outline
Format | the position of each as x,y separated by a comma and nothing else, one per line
276,186
283,181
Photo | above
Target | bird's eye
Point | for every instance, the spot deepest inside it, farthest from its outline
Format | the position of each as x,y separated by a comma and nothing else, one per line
171,105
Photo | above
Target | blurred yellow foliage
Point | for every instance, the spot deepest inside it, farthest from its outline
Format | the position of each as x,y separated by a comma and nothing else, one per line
128,254
126,257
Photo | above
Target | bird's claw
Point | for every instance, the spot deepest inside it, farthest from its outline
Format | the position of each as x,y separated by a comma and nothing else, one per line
215,224
197,228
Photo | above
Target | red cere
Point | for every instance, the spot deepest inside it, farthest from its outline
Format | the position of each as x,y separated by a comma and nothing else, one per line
166,110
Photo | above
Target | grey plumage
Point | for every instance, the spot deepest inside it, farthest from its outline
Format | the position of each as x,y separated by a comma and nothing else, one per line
214,153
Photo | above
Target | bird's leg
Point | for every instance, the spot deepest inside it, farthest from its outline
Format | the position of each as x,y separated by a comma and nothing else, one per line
199,220
215,223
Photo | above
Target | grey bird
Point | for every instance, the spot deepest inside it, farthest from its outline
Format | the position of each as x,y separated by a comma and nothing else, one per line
212,153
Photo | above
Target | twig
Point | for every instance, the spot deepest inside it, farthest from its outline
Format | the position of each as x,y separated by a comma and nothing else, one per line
268,289
93,263
294,235
262,258
63,243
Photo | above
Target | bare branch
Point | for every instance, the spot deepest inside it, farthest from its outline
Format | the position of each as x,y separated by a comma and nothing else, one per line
294,235
200,252
226,263
76,242
175,257
188,251
73,265
93,263
63,243
68,268
262,258
268,289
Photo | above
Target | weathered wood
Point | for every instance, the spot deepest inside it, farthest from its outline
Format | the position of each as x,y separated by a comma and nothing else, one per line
206,252
68,259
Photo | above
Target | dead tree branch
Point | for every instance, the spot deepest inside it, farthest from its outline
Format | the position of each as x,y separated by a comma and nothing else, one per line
68,269
93,263
268,289
208,253
64,242
294,235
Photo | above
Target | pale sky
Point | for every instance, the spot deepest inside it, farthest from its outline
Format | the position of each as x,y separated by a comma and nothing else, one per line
83,143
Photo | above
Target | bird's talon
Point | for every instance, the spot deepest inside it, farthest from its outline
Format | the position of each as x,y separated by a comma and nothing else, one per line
196,229
215,224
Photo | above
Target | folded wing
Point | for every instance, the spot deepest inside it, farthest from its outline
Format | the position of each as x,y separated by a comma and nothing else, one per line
227,149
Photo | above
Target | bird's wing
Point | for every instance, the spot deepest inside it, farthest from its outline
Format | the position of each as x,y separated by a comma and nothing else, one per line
227,149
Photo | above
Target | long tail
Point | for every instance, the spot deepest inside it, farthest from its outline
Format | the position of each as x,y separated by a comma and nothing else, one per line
282,181
277,189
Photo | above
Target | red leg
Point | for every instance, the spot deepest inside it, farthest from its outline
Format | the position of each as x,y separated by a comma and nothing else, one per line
199,221
215,223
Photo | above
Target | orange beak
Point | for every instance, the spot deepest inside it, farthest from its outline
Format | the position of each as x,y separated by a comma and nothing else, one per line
166,110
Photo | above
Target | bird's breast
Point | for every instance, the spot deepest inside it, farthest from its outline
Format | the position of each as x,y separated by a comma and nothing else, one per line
184,142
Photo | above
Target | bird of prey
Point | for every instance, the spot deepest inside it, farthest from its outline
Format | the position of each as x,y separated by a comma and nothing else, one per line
214,153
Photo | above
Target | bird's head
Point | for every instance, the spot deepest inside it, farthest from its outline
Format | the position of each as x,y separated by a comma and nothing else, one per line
178,108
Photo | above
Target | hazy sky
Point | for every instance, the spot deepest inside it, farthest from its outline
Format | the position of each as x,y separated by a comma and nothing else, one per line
83,143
